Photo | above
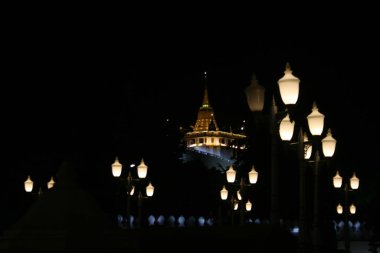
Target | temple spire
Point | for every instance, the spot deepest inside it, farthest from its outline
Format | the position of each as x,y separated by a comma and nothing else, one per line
205,96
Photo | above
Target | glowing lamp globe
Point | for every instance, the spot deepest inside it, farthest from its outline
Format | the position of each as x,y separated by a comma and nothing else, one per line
238,195
28,185
51,183
352,209
231,175
289,87
337,180
149,190
354,182
236,205
286,128
253,175
116,168
328,144
339,209
142,169
315,121
248,206
224,193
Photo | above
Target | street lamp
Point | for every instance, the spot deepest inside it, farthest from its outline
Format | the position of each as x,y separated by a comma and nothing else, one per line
347,209
241,200
131,184
316,125
29,185
289,92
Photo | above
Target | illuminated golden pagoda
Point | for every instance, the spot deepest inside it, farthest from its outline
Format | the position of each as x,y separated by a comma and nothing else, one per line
206,138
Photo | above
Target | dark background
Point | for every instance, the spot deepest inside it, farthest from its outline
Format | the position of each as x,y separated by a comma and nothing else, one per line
94,91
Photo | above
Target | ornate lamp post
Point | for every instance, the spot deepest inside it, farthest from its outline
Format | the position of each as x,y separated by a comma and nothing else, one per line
289,91
131,184
29,185
255,95
241,200
347,209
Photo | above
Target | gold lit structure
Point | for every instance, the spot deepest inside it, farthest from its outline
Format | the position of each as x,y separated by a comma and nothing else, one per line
206,138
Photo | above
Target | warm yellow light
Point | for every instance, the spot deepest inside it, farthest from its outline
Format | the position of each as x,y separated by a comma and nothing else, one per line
28,185
289,87
307,147
352,209
149,190
224,193
231,175
328,144
255,94
132,190
51,183
142,169
337,180
116,168
354,182
248,206
238,195
253,175
315,121
339,209
286,128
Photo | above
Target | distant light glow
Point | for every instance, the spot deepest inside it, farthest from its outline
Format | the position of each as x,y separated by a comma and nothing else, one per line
295,230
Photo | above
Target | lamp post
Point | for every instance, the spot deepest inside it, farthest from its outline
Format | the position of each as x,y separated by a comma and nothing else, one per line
241,201
132,185
289,92
347,209
29,185
316,125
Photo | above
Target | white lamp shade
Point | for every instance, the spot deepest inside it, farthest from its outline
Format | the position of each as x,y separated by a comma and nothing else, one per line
224,193
248,206
132,190
289,87
142,169
255,94
286,128
352,209
354,182
337,180
339,209
28,185
231,175
51,183
315,121
149,190
308,148
253,175
328,144
116,168
238,195
236,205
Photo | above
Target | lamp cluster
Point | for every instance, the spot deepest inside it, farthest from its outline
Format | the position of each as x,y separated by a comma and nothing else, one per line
29,185
354,185
131,185
142,171
241,191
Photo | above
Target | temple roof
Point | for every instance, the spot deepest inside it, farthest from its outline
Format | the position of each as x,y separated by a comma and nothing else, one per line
206,118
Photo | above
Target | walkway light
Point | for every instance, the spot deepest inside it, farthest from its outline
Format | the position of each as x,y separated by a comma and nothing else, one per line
142,169
116,168
315,121
28,185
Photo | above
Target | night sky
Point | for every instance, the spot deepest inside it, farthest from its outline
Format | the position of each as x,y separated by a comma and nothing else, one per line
79,91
